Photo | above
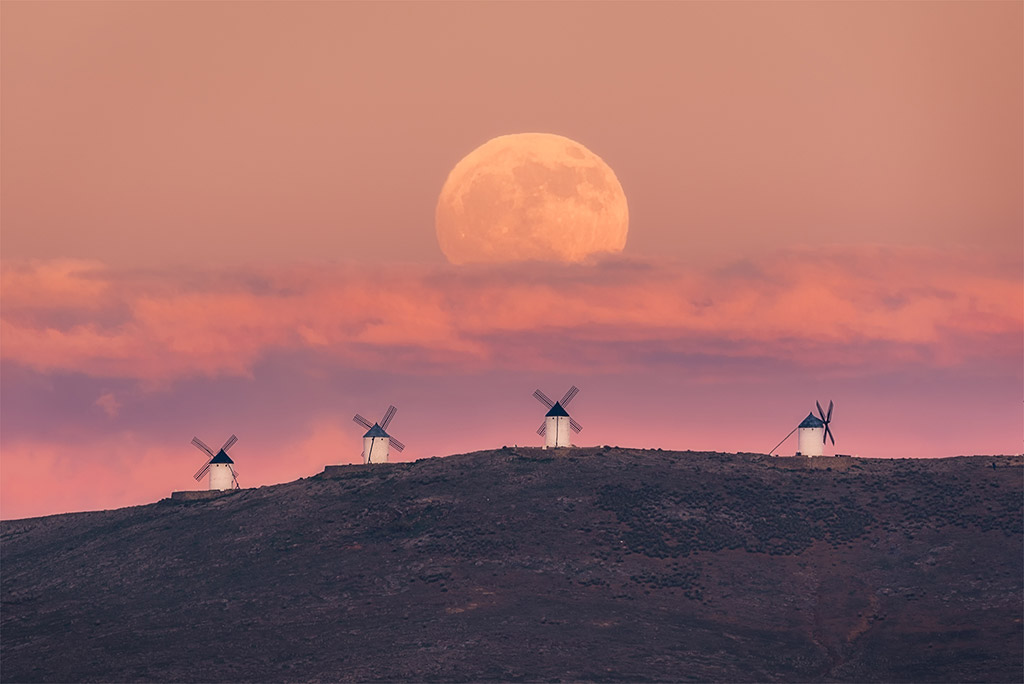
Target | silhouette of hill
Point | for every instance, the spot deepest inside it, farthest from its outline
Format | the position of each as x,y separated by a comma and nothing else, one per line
595,564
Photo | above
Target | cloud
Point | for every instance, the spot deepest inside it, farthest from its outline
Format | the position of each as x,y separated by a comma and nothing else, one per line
847,306
109,403
54,284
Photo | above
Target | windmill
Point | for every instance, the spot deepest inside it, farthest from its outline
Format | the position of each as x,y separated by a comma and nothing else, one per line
557,422
812,433
222,473
377,442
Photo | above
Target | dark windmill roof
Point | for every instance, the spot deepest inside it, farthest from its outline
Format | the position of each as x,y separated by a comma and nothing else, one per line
376,431
221,457
811,421
556,410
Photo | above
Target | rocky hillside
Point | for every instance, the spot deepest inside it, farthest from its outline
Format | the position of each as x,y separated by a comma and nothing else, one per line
596,564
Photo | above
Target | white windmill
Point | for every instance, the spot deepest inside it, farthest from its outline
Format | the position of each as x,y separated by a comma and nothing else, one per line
557,422
812,433
222,472
377,442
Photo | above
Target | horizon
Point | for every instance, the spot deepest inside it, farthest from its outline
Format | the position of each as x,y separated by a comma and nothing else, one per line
793,462
220,219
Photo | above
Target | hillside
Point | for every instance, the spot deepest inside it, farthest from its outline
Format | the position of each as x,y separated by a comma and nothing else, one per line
522,564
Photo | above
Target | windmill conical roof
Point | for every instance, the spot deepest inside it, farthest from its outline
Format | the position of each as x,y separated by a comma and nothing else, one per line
375,431
221,457
556,410
812,421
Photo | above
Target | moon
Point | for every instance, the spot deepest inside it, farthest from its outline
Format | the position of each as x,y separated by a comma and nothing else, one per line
531,197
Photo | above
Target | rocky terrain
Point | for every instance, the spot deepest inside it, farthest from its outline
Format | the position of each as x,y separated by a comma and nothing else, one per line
599,564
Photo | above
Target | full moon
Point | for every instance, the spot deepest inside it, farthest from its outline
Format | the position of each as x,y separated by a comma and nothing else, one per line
530,197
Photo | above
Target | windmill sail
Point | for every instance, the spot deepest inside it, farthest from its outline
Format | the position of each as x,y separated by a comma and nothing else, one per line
543,398
199,444
388,415
202,471
220,457
826,419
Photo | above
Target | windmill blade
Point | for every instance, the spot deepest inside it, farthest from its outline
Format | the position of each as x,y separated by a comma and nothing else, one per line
199,444
543,398
821,411
234,477
828,433
228,444
395,443
829,411
543,428
202,471
573,391
359,420
575,426
386,420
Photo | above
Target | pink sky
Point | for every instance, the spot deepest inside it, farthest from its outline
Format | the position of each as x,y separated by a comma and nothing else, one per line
218,217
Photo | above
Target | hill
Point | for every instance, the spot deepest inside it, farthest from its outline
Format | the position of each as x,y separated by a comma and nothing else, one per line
522,564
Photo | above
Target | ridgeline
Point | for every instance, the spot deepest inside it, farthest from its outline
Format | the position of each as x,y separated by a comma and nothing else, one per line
600,564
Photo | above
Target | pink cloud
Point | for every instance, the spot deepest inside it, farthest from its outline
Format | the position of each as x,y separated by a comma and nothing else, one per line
54,285
109,403
848,306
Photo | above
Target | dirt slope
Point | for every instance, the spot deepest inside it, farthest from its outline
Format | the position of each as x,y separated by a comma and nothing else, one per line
522,564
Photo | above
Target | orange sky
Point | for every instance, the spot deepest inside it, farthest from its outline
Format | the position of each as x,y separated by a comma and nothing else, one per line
170,132
218,217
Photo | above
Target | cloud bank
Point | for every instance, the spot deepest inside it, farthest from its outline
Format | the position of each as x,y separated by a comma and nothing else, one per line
839,307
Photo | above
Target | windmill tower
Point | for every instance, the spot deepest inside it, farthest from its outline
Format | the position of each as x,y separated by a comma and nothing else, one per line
557,422
811,433
377,442
220,466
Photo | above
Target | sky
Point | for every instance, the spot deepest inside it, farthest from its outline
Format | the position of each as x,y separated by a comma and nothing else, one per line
218,218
